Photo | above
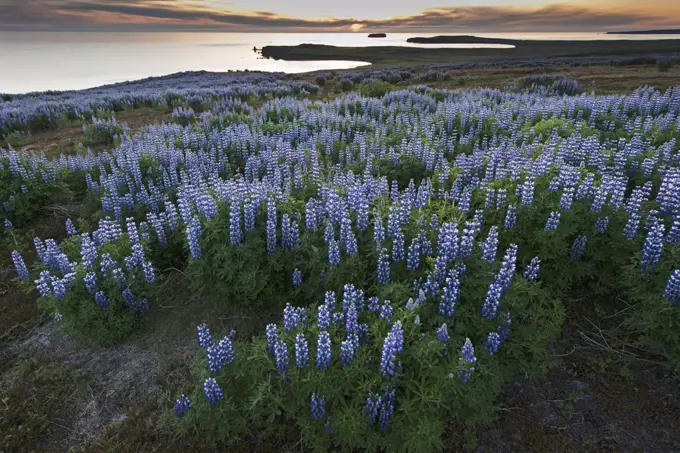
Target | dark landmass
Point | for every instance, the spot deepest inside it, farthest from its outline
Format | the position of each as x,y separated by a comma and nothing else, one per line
459,39
377,35
674,31
401,55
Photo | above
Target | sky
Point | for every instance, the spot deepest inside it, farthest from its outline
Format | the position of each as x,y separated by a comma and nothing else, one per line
450,16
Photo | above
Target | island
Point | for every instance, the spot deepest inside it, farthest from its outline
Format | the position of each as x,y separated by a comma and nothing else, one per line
377,35
674,31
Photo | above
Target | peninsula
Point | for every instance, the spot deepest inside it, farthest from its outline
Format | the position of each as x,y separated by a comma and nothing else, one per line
674,31
400,55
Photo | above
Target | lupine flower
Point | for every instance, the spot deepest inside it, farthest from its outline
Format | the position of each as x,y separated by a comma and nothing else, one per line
333,253
434,222
672,292
20,266
272,335
533,269
450,296
501,196
398,247
651,251
378,231
212,391
467,239
493,298
567,199
578,247
149,273
386,411
413,260
220,354
337,318
329,300
467,361
348,351
673,236
235,231
527,193
386,311
297,277
323,317
88,252
194,231
448,242
600,199
107,263
601,224
281,356
373,304
632,226
70,228
492,343
203,334
328,233
182,406
301,351
393,345
311,215
135,304
271,227
504,329
372,408
318,407
553,222
101,299
323,351
383,267
285,232
510,217
490,246
293,317
443,333
352,322
90,280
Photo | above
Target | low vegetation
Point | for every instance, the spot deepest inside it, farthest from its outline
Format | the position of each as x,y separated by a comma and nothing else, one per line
361,260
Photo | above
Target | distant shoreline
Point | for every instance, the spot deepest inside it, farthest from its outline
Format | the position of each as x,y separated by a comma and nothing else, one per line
675,31
460,39
401,55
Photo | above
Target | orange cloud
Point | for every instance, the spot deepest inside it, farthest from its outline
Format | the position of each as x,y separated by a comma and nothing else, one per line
177,14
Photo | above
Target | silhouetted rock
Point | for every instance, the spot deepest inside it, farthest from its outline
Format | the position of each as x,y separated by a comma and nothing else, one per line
377,35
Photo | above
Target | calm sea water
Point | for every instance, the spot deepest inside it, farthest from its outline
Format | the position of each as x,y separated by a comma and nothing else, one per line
63,60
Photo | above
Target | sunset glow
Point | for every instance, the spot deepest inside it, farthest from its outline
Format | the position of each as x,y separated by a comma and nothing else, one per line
350,15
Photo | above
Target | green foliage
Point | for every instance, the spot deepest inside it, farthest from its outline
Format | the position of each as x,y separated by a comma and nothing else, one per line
102,133
103,325
375,89
22,198
430,394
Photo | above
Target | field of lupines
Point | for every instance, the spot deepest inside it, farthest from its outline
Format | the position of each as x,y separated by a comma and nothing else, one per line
418,244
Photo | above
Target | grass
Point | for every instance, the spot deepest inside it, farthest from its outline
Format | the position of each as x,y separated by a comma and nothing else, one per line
60,395
69,138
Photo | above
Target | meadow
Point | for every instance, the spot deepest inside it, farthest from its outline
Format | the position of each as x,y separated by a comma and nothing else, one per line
454,257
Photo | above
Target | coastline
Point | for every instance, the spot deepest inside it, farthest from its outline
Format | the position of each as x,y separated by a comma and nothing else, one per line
399,55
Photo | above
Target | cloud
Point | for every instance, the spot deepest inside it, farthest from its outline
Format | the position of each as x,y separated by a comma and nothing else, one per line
196,15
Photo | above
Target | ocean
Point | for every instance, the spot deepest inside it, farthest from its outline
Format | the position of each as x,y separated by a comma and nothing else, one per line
37,61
